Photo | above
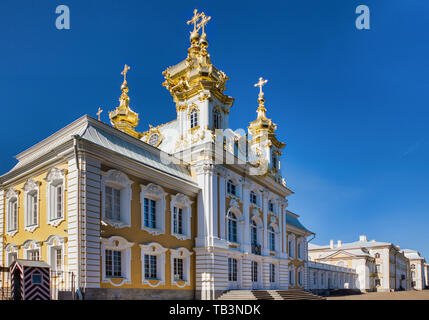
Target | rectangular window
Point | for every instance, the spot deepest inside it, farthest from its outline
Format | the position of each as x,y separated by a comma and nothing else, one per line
178,269
253,198
58,259
299,251
113,263
300,277
113,203
272,273
149,213
33,255
232,269
59,201
178,220
271,206
13,214
254,271
32,209
150,266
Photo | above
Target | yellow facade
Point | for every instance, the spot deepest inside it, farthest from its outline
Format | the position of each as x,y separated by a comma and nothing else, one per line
44,230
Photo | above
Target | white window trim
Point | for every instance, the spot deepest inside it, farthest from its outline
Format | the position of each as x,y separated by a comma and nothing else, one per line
154,192
29,187
117,179
183,202
259,227
54,242
11,195
120,244
158,250
32,245
11,248
300,253
184,254
53,177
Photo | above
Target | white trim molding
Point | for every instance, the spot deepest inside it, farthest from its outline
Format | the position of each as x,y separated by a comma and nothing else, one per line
31,190
10,248
184,254
54,179
32,245
154,249
55,242
119,244
181,201
12,195
118,180
156,193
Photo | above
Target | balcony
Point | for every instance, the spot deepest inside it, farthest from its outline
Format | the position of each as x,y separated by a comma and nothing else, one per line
256,249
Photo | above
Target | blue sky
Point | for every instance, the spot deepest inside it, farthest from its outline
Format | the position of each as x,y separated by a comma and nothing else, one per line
352,105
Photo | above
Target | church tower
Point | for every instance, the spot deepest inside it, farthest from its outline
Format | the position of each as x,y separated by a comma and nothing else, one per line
197,87
264,143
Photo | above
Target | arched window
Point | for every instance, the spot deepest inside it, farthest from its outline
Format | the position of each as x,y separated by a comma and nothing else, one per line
254,233
253,198
232,227
377,255
413,266
231,188
272,238
194,118
217,119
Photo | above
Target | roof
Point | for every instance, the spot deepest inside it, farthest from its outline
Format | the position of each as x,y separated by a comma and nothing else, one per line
32,263
101,134
292,220
356,244
412,254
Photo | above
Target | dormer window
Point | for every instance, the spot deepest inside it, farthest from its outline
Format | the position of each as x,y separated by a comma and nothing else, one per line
194,118
253,198
231,188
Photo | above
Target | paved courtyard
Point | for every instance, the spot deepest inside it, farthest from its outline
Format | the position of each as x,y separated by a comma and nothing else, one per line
399,295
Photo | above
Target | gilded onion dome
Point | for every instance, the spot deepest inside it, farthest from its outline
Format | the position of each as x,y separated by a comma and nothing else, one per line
123,118
263,125
196,73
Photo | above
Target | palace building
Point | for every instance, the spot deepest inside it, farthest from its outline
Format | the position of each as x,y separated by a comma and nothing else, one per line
380,266
185,210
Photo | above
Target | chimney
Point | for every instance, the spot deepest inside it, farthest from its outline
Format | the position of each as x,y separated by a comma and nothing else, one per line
331,244
362,238
339,243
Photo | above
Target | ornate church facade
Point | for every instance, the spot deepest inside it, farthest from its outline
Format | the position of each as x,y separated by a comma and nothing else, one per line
186,210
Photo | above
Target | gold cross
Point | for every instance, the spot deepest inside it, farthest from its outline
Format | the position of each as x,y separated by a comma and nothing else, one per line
99,113
195,19
124,72
260,84
203,22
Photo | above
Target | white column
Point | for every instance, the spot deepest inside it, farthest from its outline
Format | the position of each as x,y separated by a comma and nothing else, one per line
222,209
245,240
265,248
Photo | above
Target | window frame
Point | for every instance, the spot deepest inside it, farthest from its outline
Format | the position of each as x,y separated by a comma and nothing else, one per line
154,192
55,178
31,205
119,180
117,243
185,255
158,250
183,202
12,196
54,243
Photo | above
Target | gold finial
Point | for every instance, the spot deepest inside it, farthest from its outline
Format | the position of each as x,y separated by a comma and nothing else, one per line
203,22
99,113
260,84
123,118
124,72
195,19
